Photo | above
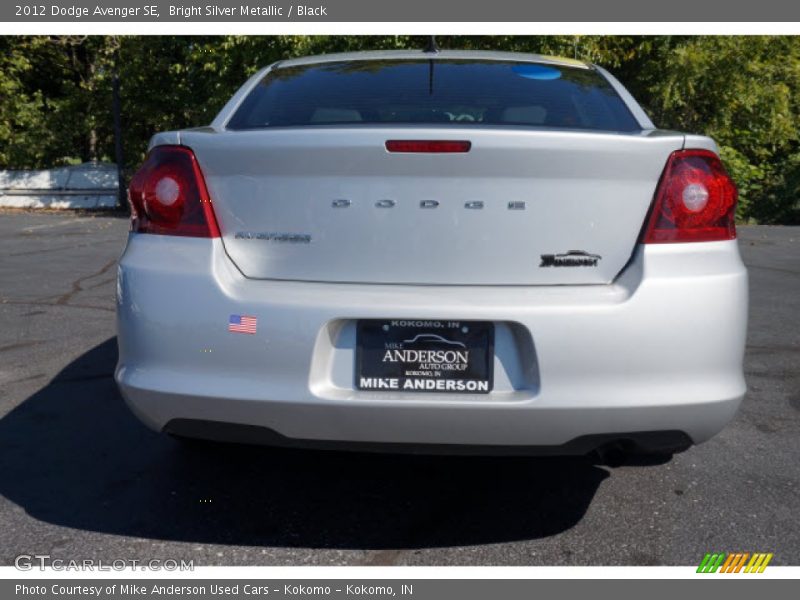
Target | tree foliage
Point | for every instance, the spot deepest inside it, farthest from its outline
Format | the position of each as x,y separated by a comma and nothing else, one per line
55,93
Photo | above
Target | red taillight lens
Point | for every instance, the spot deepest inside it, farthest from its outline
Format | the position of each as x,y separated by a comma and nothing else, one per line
428,146
695,201
168,195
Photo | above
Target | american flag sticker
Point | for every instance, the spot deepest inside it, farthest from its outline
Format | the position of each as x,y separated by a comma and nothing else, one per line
242,324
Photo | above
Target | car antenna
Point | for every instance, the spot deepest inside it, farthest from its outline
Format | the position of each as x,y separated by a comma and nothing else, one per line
431,48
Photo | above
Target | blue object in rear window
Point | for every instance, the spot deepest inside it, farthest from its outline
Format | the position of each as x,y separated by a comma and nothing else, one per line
440,92
540,72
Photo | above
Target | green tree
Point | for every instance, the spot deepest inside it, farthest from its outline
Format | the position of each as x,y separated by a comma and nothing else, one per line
23,115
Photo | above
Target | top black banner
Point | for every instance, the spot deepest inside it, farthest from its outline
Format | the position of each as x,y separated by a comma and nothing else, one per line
462,11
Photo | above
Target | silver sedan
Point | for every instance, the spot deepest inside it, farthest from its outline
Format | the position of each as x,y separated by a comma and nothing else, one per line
448,251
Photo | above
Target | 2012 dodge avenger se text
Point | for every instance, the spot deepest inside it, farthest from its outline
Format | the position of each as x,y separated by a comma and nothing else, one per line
438,251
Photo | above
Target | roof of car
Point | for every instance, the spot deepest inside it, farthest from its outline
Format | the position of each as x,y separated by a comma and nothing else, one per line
440,55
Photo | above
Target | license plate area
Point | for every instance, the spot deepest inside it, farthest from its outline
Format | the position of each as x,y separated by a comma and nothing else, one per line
396,355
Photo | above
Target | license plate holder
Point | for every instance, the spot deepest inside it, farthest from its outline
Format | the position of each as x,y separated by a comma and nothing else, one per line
425,356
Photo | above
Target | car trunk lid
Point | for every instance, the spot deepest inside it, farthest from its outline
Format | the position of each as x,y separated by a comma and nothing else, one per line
521,207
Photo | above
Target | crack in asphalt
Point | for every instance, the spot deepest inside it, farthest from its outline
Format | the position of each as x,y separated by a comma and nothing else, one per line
32,228
76,285
17,345
4,301
778,269
57,248
100,284
29,378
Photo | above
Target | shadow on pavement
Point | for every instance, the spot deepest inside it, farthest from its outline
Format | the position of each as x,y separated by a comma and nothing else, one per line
73,455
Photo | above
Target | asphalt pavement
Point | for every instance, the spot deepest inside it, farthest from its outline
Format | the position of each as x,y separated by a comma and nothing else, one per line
81,478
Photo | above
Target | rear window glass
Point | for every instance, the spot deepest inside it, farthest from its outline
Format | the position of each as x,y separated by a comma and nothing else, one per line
441,92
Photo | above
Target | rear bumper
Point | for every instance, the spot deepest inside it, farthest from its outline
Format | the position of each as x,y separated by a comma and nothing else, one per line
605,444
659,350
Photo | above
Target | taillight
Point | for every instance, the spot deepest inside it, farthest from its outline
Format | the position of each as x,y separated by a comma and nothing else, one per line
168,195
428,146
695,201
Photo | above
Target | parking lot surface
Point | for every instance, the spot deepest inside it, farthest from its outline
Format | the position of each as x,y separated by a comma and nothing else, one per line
81,478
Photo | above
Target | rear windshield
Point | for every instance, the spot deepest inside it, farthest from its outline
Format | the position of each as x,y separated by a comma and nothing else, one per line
441,92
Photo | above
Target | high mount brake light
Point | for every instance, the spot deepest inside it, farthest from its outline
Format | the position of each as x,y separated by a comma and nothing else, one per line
695,201
429,146
168,195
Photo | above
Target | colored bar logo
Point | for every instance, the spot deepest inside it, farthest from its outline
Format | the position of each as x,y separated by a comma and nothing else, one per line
734,562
